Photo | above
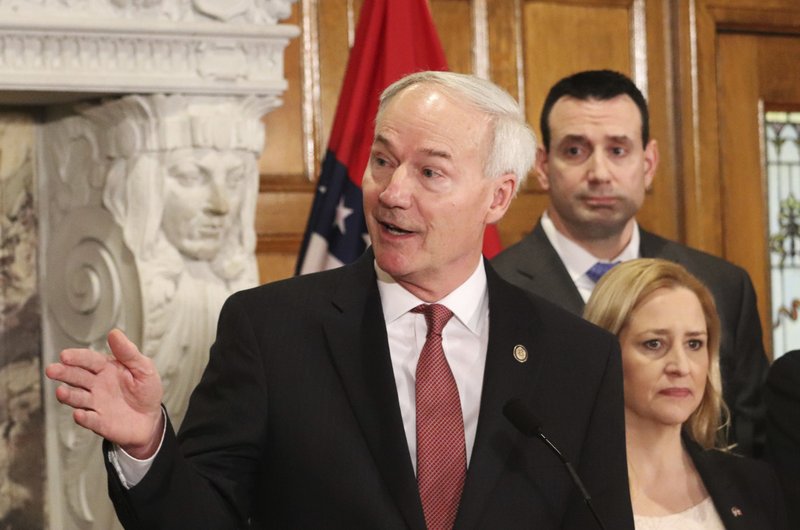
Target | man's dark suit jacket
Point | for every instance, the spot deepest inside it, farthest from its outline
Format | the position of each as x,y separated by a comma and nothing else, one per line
746,492
534,265
782,396
296,421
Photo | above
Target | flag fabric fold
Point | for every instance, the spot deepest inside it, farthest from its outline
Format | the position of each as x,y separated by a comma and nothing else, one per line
393,38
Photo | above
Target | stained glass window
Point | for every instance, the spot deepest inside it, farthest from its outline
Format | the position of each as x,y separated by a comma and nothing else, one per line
783,184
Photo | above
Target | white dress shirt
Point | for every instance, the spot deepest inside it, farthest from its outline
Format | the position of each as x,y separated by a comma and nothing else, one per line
578,260
464,340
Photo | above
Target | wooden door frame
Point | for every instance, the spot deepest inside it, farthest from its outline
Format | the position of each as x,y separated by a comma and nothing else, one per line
699,22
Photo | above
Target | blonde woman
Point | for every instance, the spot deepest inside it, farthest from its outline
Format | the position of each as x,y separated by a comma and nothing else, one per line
680,475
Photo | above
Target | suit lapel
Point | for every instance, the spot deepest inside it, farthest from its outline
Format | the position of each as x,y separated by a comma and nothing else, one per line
360,351
721,487
546,274
504,378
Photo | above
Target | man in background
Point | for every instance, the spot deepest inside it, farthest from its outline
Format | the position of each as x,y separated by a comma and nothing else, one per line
596,162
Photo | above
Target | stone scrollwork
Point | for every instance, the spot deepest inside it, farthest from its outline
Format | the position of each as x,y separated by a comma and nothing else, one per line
217,64
90,278
146,200
243,11
91,284
256,11
152,217
193,46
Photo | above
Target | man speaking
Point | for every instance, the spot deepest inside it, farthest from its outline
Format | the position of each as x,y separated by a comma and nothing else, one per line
371,396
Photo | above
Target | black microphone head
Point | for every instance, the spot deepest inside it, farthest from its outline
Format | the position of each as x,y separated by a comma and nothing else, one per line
521,417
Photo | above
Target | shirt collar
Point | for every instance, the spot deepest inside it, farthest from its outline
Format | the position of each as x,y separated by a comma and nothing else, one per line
578,260
466,301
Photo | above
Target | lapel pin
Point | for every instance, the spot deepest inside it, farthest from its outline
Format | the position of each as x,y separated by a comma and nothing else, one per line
736,511
520,353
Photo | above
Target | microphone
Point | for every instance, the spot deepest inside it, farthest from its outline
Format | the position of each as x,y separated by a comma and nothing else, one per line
528,424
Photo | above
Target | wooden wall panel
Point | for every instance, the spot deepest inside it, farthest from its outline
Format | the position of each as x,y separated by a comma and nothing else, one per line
282,158
333,51
663,210
671,46
453,20
560,38
505,46
531,44
730,54
742,191
700,160
297,133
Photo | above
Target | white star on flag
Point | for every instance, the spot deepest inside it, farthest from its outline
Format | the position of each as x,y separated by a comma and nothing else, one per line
342,213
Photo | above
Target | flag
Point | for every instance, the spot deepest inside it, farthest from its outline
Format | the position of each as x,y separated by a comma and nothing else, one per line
393,38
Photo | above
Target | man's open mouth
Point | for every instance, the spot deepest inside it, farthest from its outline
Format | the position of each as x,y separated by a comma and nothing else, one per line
394,229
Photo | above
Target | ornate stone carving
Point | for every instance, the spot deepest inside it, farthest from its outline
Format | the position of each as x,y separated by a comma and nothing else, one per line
152,216
193,46
240,11
119,245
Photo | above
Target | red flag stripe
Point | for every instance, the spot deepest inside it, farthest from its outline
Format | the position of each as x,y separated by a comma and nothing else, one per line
390,43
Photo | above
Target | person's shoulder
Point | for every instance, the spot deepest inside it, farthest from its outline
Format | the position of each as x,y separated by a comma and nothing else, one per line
304,290
743,467
510,256
698,262
789,360
730,476
512,252
298,283
783,381
525,304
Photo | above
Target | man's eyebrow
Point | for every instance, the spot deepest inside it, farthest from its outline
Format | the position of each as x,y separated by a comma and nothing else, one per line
620,138
429,151
575,138
380,139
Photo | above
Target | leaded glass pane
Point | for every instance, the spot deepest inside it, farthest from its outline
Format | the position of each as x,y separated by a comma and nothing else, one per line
783,184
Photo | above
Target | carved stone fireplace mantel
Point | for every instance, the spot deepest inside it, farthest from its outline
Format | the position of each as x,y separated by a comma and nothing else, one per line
153,126
67,48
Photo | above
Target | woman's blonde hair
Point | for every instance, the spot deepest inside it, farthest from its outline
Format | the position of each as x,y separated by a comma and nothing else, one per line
623,289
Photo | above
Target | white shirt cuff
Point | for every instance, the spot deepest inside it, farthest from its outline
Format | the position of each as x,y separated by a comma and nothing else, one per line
129,469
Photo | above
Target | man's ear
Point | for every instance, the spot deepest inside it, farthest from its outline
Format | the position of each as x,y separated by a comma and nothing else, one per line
541,166
503,187
651,158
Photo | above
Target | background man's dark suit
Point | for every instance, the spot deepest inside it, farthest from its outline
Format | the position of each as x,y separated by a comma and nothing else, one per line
534,265
746,492
782,396
296,422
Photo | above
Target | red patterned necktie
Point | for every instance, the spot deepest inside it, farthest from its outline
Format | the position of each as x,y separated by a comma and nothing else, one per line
441,452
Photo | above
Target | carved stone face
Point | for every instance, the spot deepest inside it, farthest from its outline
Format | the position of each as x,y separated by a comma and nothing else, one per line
203,192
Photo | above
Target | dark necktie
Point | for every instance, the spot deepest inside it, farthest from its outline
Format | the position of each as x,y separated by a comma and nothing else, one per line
598,269
441,452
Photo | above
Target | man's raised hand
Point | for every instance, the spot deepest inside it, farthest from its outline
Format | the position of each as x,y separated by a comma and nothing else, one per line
118,397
